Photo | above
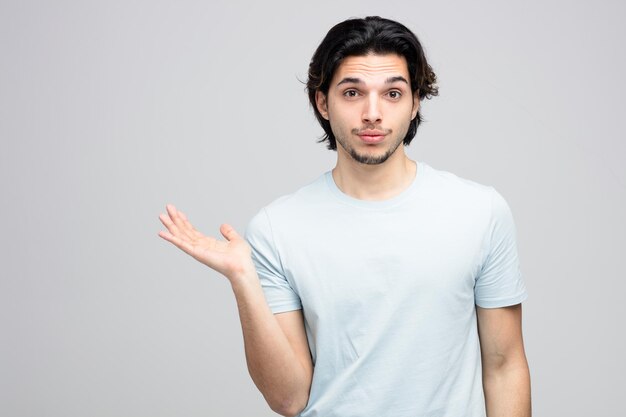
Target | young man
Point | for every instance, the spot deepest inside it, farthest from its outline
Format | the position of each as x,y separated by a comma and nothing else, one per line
385,287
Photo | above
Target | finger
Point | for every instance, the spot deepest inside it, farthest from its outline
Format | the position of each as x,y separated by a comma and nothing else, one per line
171,210
190,229
178,242
171,227
229,232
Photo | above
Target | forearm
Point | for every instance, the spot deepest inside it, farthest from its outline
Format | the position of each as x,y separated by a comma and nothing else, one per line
272,362
507,391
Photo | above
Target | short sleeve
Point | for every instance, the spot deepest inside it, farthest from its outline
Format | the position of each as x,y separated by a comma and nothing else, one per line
278,292
499,282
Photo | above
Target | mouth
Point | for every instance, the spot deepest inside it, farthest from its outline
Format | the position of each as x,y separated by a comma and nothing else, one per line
372,136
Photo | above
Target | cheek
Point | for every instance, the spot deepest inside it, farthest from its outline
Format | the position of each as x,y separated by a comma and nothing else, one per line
341,116
337,125
409,112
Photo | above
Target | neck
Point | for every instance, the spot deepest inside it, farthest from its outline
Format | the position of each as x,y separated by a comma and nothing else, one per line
374,182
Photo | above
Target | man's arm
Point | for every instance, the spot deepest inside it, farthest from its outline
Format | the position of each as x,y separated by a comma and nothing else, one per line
277,352
506,377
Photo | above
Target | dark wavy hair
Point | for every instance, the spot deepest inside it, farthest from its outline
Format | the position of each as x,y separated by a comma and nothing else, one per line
358,37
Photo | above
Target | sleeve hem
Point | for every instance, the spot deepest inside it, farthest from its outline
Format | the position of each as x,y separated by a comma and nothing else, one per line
502,302
282,308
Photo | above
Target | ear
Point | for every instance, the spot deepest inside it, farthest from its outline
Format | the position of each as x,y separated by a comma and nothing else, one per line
322,104
416,104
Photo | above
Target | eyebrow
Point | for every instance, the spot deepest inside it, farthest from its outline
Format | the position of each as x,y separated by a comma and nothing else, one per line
390,80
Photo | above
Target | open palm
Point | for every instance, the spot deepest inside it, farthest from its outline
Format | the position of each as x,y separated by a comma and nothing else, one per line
231,258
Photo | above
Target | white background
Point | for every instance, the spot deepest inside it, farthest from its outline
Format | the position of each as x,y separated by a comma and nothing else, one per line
111,109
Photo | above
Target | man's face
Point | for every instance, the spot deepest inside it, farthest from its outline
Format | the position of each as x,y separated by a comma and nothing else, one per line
369,106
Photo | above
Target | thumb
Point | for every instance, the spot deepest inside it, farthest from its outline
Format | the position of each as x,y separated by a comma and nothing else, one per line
229,232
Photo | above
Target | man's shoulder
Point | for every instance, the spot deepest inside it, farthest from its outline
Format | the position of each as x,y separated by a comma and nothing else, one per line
292,205
307,194
469,197
454,185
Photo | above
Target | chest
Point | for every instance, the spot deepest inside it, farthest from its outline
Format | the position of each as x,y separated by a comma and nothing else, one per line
359,265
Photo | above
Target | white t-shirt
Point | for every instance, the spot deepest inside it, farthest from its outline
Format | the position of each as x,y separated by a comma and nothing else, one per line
388,290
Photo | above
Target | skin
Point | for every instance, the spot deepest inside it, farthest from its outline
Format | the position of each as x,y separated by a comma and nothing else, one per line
366,92
276,347
506,376
381,171
361,97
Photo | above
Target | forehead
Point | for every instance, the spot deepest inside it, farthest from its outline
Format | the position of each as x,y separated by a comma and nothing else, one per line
372,66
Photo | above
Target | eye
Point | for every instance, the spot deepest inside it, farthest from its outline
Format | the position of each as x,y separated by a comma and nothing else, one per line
394,94
350,93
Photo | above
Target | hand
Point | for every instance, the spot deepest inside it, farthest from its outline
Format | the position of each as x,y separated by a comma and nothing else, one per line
232,258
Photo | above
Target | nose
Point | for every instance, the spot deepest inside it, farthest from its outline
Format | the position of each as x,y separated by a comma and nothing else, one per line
371,112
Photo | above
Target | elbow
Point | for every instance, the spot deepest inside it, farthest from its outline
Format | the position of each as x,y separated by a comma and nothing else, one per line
494,375
291,407
287,411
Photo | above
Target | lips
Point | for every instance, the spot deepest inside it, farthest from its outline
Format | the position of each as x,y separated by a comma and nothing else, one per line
372,136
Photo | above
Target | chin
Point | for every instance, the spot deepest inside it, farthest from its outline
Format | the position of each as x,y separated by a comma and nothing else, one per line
370,159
